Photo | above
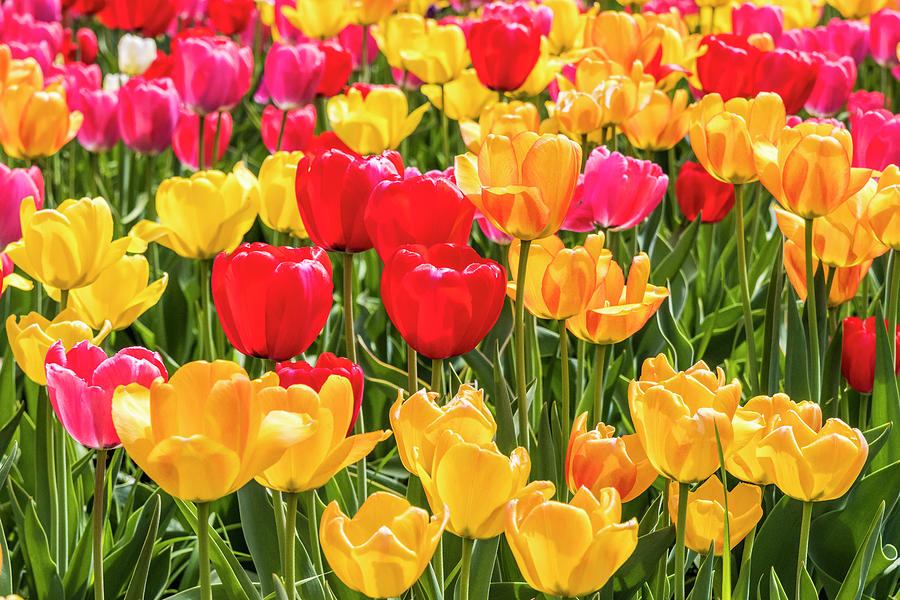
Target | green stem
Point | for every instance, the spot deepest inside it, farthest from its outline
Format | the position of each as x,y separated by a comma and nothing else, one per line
437,367
281,130
445,135
683,489
203,548
215,154
519,318
99,472
579,368
63,299
412,369
893,292
465,568
599,377
201,119
364,54
278,510
804,545
815,372
747,556
749,331
206,311
313,526
564,360
347,293
290,533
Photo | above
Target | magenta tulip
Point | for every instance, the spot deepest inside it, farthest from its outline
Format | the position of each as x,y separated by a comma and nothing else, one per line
100,130
184,142
212,74
15,186
884,35
832,88
293,74
298,128
749,18
147,114
876,138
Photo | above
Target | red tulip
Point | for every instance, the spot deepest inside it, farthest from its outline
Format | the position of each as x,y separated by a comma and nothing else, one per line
503,52
184,142
333,189
272,301
100,130
327,140
858,353
337,70
788,73
151,17
424,209
298,128
84,7
81,383
698,191
442,299
147,114
729,66
301,372
82,49
211,73
230,16
293,74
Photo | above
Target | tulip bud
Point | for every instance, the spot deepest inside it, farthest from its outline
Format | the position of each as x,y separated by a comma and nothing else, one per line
136,54
858,353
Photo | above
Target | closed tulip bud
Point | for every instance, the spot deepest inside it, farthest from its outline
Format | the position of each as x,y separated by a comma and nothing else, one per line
298,126
619,308
835,81
617,34
293,73
212,74
588,543
230,16
577,112
876,138
846,279
311,462
525,184
31,336
501,118
419,421
884,208
202,215
442,299
677,415
813,464
278,195
437,56
705,517
15,186
135,54
333,189
385,548
148,114
858,352
208,431
863,101
597,459
504,52
81,383
319,18
884,35
497,478
699,193
100,130
35,123
301,372
754,421
375,122
465,97
661,124
394,34
217,129
567,26
369,12
748,18
67,247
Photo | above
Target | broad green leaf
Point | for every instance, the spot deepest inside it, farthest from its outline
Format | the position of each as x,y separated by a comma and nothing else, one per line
138,583
46,578
703,583
855,582
483,557
641,565
885,399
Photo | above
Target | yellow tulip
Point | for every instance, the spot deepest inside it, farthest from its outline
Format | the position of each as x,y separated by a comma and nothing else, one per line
319,18
813,464
620,96
544,71
202,215
577,112
419,421
475,482
384,548
883,211
567,27
617,35
375,123
705,518
369,12
845,281
524,185
278,194
31,336
14,71
394,34
438,55
797,13
721,133
754,421
67,247
501,118
676,415
311,462
619,308
36,122
808,171
859,9
205,433
661,124
570,549
465,96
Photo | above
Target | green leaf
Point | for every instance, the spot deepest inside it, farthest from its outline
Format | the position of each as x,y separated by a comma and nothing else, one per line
776,544
703,584
776,591
258,525
141,569
6,583
483,557
46,579
678,342
855,582
78,575
641,565
119,564
506,426
885,399
771,354
668,267
544,455
831,378
8,431
796,364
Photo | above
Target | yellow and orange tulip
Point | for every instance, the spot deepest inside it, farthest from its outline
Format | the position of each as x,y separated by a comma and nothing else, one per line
36,122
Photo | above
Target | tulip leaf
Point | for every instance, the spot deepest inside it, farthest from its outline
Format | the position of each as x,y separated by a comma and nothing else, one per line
668,266
885,399
808,590
258,525
776,591
37,550
6,583
142,567
78,574
703,583
506,426
771,354
796,362
776,544
120,562
218,593
678,342
8,431
512,591
855,582
544,454
483,557
641,565
831,378
280,593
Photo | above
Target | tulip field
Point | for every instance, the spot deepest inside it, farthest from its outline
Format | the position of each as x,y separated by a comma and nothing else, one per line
449,300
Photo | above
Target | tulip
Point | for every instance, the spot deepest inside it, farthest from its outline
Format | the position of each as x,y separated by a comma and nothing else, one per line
883,210
792,75
503,52
272,301
567,25
863,101
677,414
67,247
375,122
216,135
423,209
858,353
522,11
832,87
319,18
152,18
875,143
618,35
278,196
202,215
311,462
578,113
442,299
15,186
100,130
884,35
31,336
501,118
35,123
813,464
524,185
211,74
81,383
848,38
597,459
497,478
136,54
294,130
748,18
846,279
727,53
230,16
705,516
26,72
385,548
438,56
699,193
587,545
148,114
301,372
338,66
661,124
418,422
206,432
462,99
293,74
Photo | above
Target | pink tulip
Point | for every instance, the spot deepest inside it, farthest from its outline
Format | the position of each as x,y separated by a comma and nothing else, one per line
24,28
884,35
791,74
147,114
184,142
848,38
298,128
876,138
864,100
49,11
82,381
580,217
39,51
293,74
212,74
350,38
621,191
749,18
541,17
833,85
100,130
75,77
491,232
15,186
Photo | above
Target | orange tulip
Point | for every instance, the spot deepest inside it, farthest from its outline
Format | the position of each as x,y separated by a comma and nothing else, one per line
503,118
35,123
661,124
884,209
846,280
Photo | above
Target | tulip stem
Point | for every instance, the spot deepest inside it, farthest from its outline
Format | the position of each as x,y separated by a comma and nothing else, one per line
281,130
804,545
749,331
437,367
290,533
564,361
216,140
815,372
520,343
364,54
99,472
683,489
63,299
313,526
412,370
465,568
599,377
206,312
579,368
350,338
203,549
200,120
893,290
445,127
